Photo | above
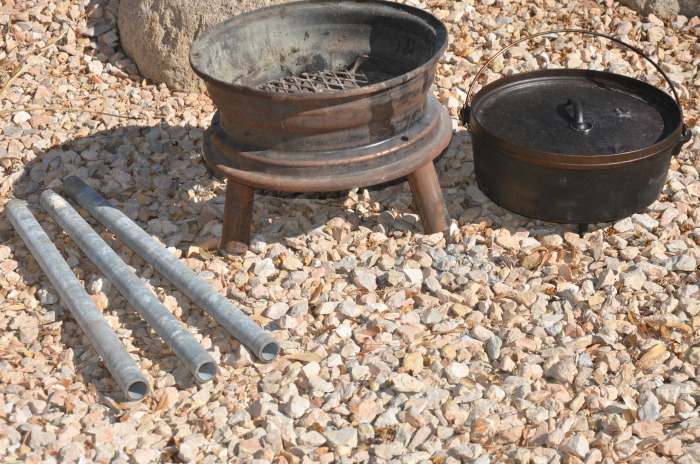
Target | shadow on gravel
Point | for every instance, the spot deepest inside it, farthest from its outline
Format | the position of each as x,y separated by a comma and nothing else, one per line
157,176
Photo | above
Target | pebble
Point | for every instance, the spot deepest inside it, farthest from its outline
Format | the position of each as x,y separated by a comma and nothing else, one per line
342,437
648,407
364,279
297,406
404,383
455,372
576,445
493,348
276,310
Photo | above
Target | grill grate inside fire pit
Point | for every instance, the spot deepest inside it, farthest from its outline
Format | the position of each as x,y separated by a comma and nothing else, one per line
324,81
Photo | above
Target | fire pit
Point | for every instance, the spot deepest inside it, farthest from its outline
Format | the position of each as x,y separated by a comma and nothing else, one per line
323,96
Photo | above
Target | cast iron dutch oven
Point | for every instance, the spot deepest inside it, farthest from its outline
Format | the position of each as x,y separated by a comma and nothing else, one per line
573,146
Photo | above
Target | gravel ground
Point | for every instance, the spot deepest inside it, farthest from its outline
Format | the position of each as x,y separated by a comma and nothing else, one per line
506,340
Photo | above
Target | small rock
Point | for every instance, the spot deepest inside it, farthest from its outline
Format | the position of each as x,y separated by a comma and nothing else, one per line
96,67
634,280
648,406
144,456
481,333
28,333
365,279
645,221
624,225
552,241
455,372
187,452
671,447
647,429
312,438
264,268
668,393
98,284
342,437
563,371
405,383
249,446
20,117
685,262
350,309
414,276
296,406
413,362
493,348
389,450
576,445
276,310
431,316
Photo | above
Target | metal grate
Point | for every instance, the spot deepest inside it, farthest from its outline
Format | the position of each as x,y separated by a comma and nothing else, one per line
323,81
327,81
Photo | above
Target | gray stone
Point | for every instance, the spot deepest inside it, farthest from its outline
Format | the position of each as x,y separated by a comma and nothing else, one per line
665,8
648,406
431,316
157,34
668,393
28,333
405,383
276,310
312,438
576,445
264,268
493,348
389,450
350,309
684,262
364,278
342,437
455,372
297,406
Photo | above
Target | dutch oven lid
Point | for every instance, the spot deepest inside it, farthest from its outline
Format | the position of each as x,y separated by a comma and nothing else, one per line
574,113
575,118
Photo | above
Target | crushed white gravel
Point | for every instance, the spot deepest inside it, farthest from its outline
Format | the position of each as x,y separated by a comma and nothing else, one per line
504,340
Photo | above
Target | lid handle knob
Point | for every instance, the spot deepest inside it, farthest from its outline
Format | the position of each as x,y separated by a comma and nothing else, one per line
578,124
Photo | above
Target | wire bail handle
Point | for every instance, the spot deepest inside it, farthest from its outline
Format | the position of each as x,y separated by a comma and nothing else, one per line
464,113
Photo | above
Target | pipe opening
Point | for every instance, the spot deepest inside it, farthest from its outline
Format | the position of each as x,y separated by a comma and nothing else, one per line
137,391
206,371
269,352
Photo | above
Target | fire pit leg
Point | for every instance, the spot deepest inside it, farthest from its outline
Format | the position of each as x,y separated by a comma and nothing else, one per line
238,217
428,197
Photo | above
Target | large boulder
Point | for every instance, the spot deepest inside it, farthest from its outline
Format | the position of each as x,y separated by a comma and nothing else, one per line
665,8
157,34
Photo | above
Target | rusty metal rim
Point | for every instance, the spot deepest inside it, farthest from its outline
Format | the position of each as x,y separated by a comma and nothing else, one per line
442,38
426,148
420,129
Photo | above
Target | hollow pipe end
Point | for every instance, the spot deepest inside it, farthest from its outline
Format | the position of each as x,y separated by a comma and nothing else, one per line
206,371
137,390
268,351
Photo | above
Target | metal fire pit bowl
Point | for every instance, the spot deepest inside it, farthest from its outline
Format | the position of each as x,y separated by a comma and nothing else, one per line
323,96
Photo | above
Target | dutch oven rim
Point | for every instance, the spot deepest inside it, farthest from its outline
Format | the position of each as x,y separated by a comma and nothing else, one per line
572,161
442,41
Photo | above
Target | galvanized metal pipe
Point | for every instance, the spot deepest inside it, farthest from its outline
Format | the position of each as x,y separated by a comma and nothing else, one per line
230,317
173,333
103,339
